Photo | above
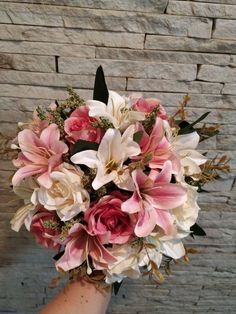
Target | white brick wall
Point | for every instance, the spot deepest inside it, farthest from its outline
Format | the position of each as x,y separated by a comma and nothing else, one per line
161,48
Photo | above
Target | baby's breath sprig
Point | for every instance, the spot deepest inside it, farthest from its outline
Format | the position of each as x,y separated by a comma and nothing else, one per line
66,227
57,117
103,123
73,101
51,224
41,113
150,119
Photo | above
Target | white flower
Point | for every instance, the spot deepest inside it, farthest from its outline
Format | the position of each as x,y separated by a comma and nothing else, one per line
150,253
25,213
118,111
173,248
113,150
66,195
186,215
22,216
170,245
185,145
126,264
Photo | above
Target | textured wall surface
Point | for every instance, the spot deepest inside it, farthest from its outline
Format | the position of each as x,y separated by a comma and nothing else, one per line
162,48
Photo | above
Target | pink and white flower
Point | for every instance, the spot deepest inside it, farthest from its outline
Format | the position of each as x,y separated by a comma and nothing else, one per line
40,154
153,198
82,244
156,147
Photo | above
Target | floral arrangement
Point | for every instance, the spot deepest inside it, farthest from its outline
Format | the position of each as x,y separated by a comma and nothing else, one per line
111,183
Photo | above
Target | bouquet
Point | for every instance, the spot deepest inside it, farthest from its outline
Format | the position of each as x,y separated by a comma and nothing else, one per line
111,183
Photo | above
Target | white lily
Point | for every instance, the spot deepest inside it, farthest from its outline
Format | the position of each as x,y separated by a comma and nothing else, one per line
185,145
25,213
118,111
113,150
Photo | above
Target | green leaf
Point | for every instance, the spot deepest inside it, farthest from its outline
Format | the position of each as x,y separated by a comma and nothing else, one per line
58,255
138,136
197,230
100,91
189,126
81,145
116,287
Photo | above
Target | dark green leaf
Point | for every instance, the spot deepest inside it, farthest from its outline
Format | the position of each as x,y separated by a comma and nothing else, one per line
116,287
81,145
188,127
100,91
197,230
201,118
58,255
137,136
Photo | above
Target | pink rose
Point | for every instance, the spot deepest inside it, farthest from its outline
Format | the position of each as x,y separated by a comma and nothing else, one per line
79,126
106,218
147,105
46,236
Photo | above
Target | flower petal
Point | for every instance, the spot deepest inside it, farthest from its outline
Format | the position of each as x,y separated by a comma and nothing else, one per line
133,204
50,135
166,195
86,157
146,223
173,248
25,172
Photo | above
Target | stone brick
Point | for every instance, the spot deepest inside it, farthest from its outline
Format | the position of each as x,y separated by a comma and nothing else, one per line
62,35
214,73
39,48
229,89
13,116
173,86
162,56
224,185
22,104
4,18
189,44
27,62
225,29
142,23
201,9
225,142
36,92
128,68
57,80
120,5
218,1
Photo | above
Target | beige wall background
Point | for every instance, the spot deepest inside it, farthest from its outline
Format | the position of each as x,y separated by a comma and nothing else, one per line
162,48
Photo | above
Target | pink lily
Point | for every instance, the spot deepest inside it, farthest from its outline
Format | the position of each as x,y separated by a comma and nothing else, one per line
157,147
82,244
153,198
40,154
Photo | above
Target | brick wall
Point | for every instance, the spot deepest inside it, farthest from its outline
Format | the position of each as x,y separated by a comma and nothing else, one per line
162,48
